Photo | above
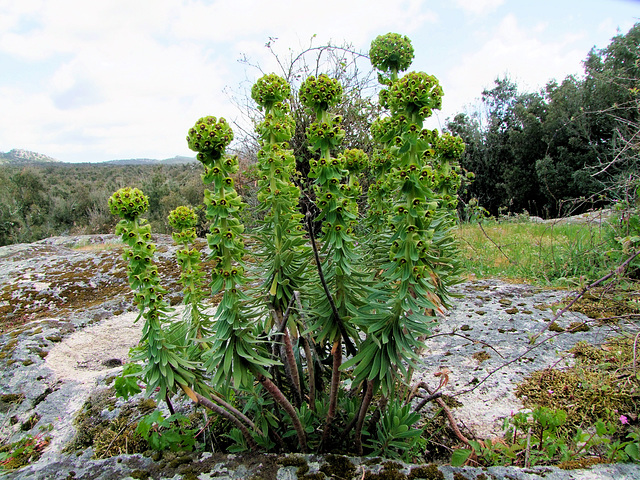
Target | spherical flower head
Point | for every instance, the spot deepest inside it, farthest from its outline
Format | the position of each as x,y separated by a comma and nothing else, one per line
128,203
182,218
210,136
321,93
450,147
415,93
270,89
391,52
355,160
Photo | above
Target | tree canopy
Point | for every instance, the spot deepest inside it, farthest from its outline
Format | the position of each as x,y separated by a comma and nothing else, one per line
563,149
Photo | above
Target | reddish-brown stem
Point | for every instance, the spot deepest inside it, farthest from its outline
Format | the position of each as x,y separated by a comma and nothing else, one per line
229,416
312,374
277,395
292,368
335,384
235,412
289,361
366,401
169,404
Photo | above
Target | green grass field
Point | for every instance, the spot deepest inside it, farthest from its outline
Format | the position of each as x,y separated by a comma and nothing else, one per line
547,254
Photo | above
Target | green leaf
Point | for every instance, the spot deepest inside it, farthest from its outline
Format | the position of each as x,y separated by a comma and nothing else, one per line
633,451
459,457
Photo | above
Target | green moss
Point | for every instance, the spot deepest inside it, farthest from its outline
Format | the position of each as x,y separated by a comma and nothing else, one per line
451,402
109,437
292,461
313,476
575,327
180,460
608,305
481,356
140,474
10,400
23,452
8,349
30,423
40,398
428,472
390,471
295,461
339,467
554,327
589,390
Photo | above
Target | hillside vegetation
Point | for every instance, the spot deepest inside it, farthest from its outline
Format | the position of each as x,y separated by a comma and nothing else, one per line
42,200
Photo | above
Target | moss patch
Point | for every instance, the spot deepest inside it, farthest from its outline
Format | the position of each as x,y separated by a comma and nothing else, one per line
10,400
23,452
601,383
481,356
338,467
429,472
580,463
608,305
109,437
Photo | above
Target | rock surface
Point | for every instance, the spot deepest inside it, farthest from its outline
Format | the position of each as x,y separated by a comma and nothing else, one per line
67,323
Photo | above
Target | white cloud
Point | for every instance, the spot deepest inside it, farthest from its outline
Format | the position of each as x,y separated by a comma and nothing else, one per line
514,51
478,7
130,77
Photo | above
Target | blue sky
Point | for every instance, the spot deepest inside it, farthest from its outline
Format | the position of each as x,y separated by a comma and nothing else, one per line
93,81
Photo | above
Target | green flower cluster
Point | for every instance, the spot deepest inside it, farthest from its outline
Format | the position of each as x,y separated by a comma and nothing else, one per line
415,176
391,53
415,95
336,193
223,205
183,220
325,135
320,94
450,147
336,201
278,125
269,90
277,165
209,137
355,161
128,203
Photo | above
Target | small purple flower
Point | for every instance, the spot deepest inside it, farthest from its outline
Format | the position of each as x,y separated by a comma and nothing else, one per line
624,420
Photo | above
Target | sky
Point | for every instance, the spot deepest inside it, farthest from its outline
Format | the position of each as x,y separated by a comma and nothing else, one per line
89,81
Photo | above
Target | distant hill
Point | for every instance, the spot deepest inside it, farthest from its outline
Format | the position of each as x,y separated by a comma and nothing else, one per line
18,157
150,161
26,157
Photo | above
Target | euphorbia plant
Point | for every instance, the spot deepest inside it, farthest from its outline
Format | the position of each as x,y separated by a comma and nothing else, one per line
369,298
